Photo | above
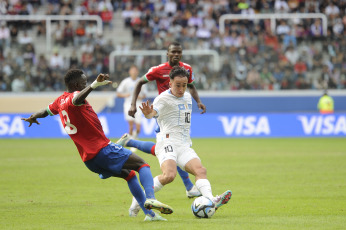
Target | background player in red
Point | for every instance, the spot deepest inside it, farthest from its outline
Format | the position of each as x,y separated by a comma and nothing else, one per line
98,153
160,74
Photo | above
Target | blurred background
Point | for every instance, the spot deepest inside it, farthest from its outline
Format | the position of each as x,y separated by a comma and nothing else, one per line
273,56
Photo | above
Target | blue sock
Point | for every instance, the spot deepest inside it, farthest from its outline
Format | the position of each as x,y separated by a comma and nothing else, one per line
185,177
144,146
147,181
138,193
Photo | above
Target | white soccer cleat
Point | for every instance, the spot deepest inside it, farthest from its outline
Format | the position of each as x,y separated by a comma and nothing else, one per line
134,208
157,217
157,205
124,140
194,192
222,199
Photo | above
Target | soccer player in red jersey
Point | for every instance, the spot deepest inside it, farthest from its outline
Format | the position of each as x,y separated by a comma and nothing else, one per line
160,74
98,153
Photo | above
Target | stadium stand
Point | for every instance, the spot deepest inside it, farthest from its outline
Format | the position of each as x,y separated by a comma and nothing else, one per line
295,56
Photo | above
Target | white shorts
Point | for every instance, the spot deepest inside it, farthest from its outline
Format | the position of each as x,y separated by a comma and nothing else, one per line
181,153
138,115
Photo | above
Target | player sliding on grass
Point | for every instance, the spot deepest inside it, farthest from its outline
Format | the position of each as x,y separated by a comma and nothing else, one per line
98,153
172,109
160,74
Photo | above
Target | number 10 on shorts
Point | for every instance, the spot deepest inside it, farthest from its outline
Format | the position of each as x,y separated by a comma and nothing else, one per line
168,149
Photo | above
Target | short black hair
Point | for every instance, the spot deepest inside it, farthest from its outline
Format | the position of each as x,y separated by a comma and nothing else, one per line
178,71
72,76
173,44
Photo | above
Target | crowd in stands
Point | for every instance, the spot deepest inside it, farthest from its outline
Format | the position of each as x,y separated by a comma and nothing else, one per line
297,55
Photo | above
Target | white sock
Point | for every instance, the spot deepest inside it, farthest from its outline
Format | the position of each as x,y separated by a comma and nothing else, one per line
204,187
157,185
134,134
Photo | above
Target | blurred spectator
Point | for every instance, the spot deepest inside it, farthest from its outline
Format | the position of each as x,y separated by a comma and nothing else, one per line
5,38
316,29
253,79
56,60
29,54
87,47
68,34
58,34
281,6
14,35
80,34
292,55
91,30
295,53
332,11
25,39
18,84
105,9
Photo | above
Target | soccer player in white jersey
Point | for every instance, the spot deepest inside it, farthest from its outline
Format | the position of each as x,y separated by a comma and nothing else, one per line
125,90
172,109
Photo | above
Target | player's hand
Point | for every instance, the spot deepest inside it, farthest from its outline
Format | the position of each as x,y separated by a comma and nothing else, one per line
202,107
146,108
102,79
31,120
132,111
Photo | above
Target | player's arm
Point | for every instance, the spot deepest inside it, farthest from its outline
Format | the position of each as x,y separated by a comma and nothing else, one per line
135,94
102,79
33,118
148,110
194,94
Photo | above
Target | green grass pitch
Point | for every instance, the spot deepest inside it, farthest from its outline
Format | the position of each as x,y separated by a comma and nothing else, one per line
276,184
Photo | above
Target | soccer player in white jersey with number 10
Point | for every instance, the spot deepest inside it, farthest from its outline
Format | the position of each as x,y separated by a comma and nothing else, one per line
172,109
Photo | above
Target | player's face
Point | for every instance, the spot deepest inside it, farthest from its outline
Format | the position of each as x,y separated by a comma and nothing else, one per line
178,86
174,55
133,72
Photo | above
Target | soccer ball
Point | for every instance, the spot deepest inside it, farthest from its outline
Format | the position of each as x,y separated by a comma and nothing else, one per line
203,207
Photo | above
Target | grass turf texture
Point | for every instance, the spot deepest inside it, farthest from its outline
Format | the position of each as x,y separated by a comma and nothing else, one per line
276,184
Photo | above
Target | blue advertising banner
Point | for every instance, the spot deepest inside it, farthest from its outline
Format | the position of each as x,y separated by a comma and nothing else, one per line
221,125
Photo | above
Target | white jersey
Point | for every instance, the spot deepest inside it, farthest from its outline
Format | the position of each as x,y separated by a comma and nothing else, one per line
127,86
173,116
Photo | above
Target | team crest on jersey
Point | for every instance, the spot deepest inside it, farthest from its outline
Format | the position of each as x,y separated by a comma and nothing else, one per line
184,106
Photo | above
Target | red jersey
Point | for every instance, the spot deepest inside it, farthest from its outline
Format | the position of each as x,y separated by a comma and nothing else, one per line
160,74
81,124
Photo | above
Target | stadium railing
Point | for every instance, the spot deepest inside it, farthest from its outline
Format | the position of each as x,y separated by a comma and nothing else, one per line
50,18
163,54
272,18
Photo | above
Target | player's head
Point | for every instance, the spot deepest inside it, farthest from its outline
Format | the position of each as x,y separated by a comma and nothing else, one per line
178,81
75,80
174,53
133,71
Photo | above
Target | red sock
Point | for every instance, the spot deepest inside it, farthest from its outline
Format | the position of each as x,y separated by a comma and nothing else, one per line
153,150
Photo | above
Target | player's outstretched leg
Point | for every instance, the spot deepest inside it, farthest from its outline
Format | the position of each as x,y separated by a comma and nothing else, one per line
147,182
139,195
145,146
222,199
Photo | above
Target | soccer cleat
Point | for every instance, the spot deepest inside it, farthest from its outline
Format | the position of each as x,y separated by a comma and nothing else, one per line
194,192
134,208
155,204
222,199
157,217
124,140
